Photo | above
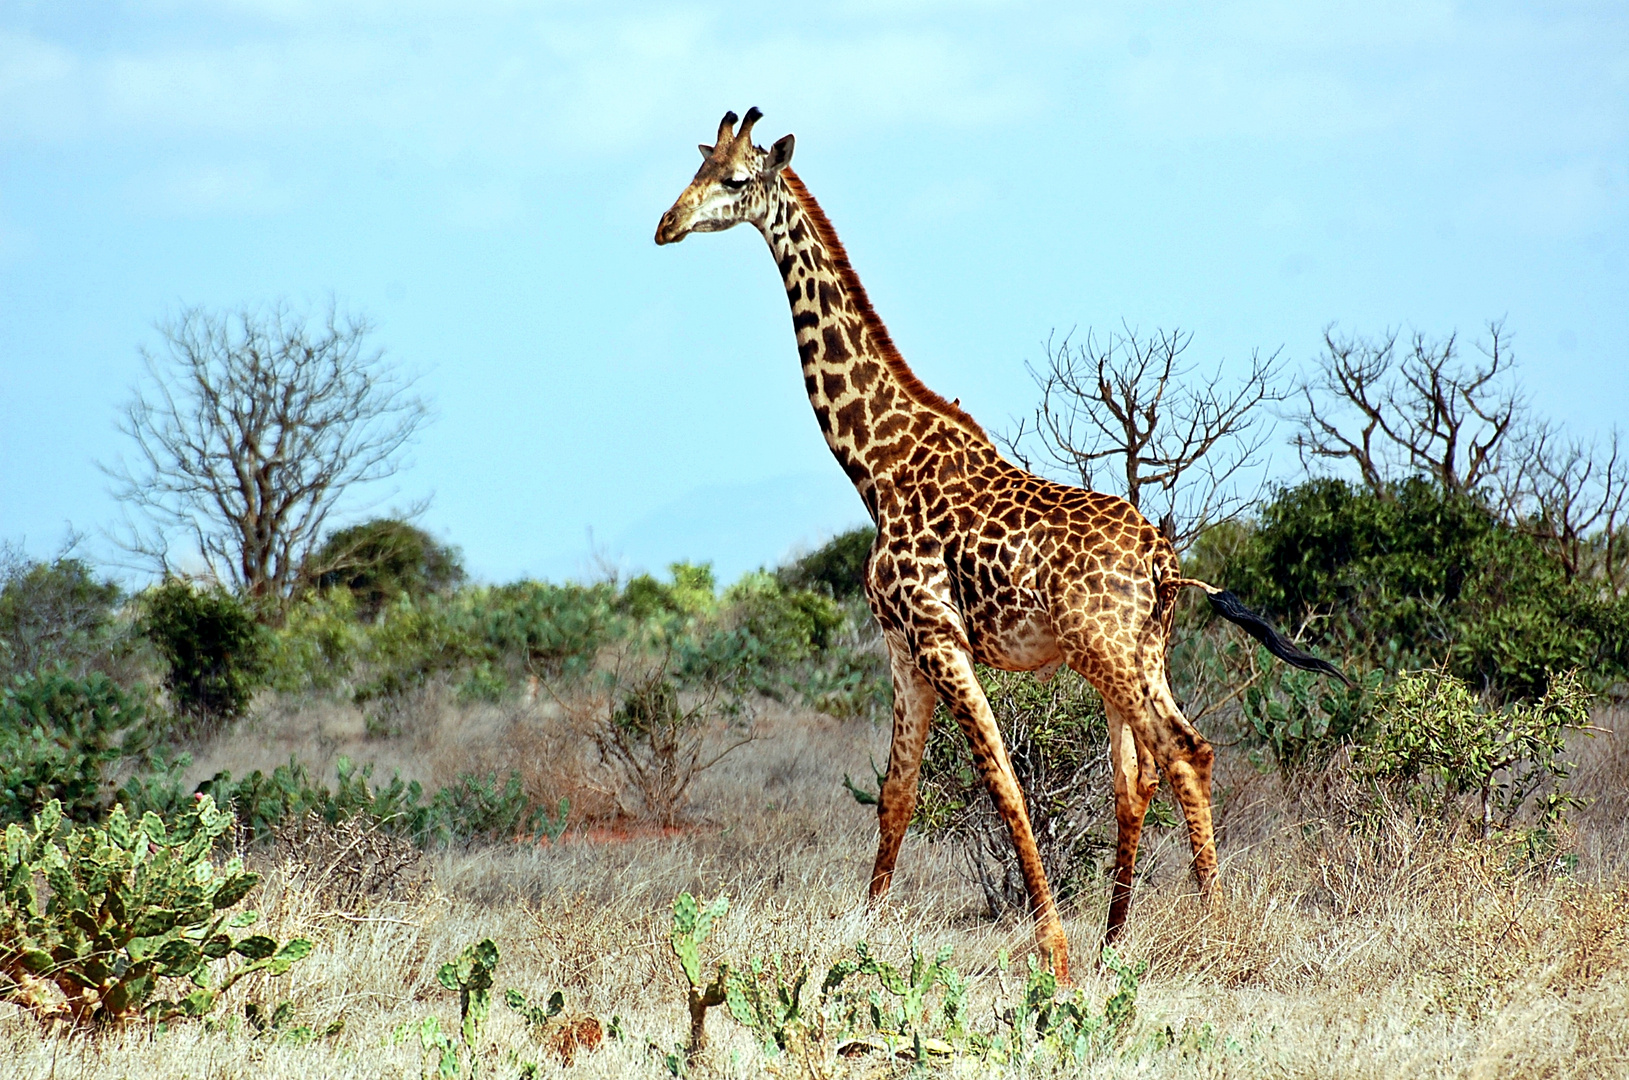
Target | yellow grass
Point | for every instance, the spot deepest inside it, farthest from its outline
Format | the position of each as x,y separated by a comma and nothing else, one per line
1396,955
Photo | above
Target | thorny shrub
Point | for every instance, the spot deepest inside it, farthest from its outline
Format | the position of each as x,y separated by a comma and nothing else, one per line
651,730
346,865
1056,735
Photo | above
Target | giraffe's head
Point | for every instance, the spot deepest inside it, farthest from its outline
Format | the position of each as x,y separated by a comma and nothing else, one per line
732,185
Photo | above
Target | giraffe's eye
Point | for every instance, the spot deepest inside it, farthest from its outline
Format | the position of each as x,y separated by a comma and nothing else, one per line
733,184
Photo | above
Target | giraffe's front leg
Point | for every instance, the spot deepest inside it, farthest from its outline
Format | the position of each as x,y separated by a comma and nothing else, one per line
913,712
950,672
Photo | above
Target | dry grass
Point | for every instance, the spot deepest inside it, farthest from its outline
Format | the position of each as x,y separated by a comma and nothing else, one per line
1322,954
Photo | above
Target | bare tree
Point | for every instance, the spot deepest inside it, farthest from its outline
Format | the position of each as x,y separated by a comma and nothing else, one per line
1128,413
1573,495
252,427
1414,409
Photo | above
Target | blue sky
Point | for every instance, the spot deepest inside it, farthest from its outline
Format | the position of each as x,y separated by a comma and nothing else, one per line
483,178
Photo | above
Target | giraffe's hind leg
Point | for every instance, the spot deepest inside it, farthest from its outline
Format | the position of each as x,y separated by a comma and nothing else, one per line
913,712
950,672
1135,781
1158,728
1146,730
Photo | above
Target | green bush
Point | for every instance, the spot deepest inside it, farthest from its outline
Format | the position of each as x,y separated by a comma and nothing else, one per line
1522,619
850,679
61,737
836,569
128,910
473,808
760,631
1413,576
550,629
412,641
482,638
215,651
381,560
1300,718
692,593
758,635
1435,743
54,614
319,644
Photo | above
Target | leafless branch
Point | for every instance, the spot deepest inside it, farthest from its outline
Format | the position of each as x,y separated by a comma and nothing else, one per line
1127,414
1573,496
1415,409
250,429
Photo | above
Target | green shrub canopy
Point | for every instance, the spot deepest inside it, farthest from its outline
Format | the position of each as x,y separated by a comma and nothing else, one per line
383,559
837,568
52,613
215,650
1413,576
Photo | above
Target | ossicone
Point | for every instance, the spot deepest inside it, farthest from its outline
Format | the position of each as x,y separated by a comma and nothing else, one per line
726,129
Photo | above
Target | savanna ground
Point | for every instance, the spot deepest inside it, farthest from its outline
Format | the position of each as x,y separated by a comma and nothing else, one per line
1395,953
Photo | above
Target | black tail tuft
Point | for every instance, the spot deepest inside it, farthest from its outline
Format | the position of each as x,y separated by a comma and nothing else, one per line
1228,607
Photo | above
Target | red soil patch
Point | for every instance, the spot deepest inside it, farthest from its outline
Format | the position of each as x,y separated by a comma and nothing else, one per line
619,832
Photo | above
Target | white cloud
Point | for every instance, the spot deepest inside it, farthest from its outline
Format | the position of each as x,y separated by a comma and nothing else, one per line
39,98
506,88
213,190
498,81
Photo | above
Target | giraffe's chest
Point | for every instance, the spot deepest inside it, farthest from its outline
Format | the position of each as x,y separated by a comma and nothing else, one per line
942,557
1008,620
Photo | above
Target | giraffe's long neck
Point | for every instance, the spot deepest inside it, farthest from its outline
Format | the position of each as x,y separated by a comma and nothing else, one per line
872,409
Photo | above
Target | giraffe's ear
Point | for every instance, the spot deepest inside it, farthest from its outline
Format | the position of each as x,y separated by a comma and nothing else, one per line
780,155
706,151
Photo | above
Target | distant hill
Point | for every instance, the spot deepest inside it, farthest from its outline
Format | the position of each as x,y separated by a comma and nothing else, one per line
740,527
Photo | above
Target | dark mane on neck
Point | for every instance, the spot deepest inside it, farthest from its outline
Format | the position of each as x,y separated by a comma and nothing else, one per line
897,367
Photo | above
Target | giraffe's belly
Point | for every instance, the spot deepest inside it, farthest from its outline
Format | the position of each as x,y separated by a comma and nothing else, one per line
1015,636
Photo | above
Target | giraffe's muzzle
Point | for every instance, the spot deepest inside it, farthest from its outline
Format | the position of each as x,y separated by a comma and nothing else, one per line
668,230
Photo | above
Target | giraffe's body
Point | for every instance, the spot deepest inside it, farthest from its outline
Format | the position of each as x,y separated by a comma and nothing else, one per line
975,559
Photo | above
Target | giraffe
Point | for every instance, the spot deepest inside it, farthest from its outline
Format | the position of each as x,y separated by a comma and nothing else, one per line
975,559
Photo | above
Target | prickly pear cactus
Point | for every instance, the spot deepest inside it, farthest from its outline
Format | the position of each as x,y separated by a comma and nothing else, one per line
471,975
762,999
691,924
125,909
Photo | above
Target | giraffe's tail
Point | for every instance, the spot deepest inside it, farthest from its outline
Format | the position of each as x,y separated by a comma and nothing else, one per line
1231,608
